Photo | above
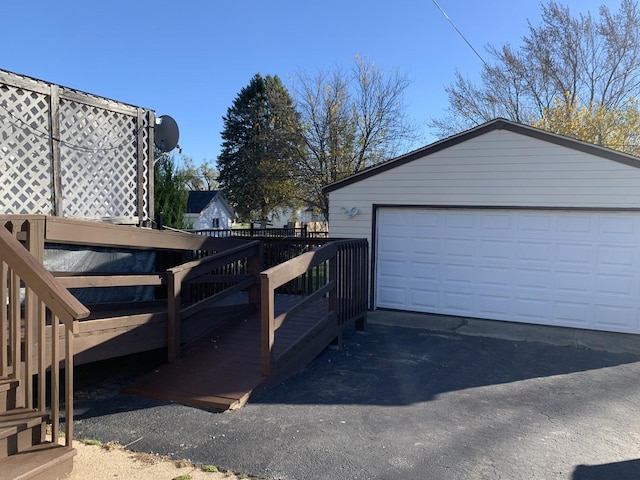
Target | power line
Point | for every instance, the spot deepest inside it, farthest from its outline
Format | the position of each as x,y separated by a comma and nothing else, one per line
459,32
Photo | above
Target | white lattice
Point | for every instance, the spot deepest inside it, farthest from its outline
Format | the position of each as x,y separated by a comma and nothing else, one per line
98,148
100,178
25,161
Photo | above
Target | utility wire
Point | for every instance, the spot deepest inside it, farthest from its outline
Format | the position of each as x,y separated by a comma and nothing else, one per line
459,32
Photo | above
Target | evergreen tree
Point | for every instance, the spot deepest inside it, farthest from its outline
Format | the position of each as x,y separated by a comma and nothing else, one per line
259,146
170,193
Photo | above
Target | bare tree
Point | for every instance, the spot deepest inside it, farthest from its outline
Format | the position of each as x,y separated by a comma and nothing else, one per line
199,177
578,61
349,120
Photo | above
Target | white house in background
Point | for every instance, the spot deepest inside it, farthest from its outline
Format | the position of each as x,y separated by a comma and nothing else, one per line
503,222
285,216
208,210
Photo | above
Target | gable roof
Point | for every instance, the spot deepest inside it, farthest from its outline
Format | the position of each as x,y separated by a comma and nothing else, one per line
497,124
198,199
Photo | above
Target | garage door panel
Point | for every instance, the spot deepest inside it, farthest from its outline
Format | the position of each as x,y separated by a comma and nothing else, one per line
458,302
392,267
571,224
458,247
394,297
573,282
539,280
567,268
492,276
394,244
496,250
458,223
427,247
618,257
618,228
576,314
532,309
495,306
425,299
617,284
424,271
531,252
535,225
615,316
499,224
458,274
574,254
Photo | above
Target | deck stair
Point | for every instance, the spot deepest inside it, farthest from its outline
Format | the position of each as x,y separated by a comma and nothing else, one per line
24,452
31,295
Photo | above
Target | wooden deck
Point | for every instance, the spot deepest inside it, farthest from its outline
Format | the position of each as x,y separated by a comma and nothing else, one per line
221,370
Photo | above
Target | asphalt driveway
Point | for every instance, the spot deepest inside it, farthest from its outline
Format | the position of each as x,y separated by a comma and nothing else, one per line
400,403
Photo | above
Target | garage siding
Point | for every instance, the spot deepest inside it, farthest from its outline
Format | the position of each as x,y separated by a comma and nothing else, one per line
498,168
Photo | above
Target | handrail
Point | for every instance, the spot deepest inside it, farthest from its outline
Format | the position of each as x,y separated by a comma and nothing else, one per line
180,276
287,271
42,292
57,298
344,287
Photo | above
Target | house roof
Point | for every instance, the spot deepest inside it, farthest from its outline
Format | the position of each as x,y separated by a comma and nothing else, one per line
497,124
198,200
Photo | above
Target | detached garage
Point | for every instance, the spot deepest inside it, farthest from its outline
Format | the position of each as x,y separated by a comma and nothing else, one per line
502,222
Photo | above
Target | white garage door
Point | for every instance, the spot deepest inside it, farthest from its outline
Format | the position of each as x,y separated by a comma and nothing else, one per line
569,268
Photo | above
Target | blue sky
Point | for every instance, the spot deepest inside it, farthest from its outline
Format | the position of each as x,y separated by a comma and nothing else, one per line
189,59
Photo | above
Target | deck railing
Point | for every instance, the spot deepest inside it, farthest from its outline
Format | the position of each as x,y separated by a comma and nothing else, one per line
32,296
339,273
296,232
196,285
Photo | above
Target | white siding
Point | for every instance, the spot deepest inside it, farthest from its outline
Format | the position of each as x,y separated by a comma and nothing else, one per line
499,168
217,210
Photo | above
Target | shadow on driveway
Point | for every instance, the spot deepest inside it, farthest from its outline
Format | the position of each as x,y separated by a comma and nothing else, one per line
399,403
403,366
629,470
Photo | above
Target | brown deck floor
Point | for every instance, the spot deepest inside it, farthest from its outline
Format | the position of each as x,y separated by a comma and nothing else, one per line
222,369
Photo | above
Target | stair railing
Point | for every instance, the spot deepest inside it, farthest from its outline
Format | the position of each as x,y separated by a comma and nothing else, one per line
32,297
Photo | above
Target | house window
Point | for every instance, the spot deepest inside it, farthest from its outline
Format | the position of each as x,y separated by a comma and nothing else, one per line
215,223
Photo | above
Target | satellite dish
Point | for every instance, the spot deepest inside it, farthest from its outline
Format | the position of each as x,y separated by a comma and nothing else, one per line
166,134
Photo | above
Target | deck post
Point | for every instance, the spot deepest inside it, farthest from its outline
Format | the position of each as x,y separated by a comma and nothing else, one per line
267,322
255,265
174,284
333,295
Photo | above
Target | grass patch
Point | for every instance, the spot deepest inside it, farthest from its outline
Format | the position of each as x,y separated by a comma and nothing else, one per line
182,477
88,441
210,468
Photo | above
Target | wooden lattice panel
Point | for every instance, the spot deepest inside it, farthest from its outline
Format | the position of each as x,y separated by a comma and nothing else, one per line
99,171
25,160
73,154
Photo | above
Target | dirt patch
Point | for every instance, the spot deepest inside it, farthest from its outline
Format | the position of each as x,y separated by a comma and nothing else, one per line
111,461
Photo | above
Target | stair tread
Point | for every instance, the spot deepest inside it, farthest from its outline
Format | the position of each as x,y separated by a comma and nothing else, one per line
20,416
36,460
